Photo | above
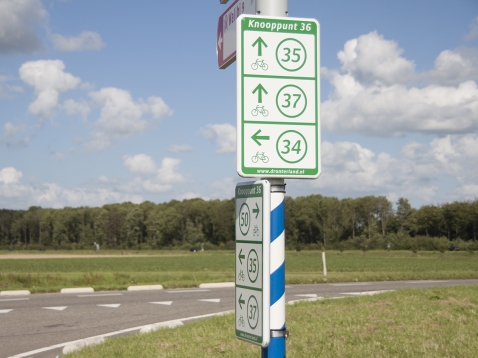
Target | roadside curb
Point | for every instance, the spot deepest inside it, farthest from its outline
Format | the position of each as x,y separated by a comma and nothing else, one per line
15,293
77,290
83,343
217,285
154,327
145,288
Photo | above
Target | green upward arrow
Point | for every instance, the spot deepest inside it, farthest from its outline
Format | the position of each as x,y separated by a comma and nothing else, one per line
259,42
260,89
256,211
241,256
241,301
256,137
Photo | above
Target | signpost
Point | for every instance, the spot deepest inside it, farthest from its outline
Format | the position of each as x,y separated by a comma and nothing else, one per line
226,30
278,97
252,262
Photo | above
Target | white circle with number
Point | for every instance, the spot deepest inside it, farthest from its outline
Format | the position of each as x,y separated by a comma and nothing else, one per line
244,219
291,54
291,101
291,146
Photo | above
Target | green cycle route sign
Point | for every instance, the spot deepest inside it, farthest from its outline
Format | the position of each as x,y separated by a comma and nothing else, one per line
252,283
278,97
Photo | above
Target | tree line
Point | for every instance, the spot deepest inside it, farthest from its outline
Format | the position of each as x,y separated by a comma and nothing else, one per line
312,221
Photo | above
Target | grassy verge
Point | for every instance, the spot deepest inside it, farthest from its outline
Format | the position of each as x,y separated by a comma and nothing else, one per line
439,322
44,273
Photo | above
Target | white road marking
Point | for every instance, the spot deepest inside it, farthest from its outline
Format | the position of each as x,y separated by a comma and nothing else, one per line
350,284
186,291
167,303
101,294
424,281
5,311
114,305
214,300
310,295
366,293
55,308
14,299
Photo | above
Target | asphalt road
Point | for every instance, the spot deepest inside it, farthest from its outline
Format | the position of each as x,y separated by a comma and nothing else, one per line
45,322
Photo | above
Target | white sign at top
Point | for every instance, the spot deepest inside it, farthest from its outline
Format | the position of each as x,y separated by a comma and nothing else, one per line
278,97
226,30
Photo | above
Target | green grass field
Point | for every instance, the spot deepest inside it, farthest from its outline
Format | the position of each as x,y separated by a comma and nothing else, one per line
431,323
112,270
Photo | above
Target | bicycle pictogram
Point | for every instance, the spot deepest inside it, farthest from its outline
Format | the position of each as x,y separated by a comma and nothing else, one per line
241,276
260,156
242,322
261,64
261,110
255,231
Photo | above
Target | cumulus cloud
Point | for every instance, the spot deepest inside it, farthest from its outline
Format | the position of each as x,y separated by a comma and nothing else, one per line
16,194
10,131
87,40
7,90
48,79
349,169
375,91
122,117
153,178
80,107
19,21
222,134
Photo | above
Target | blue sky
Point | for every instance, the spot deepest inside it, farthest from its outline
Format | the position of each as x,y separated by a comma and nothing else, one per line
111,101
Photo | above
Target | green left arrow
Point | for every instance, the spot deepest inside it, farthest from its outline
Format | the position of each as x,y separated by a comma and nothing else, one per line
241,256
241,301
256,138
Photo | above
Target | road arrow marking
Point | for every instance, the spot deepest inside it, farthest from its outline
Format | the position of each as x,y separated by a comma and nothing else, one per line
256,138
256,210
167,303
241,256
115,305
259,42
241,301
214,300
259,89
55,308
5,311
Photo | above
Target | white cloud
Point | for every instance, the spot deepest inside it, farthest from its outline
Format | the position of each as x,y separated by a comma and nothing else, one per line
80,107
9,130
15,194
473,34
179,148
222,134
87,40
140,163
373,92
19,21
418,171
122,117
153,178
48,79
372,59
10,175
6,90
454,67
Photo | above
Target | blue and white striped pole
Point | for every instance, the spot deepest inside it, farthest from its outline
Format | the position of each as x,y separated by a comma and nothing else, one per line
276,348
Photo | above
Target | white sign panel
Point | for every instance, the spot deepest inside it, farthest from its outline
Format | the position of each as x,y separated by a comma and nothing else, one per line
252,262
278,97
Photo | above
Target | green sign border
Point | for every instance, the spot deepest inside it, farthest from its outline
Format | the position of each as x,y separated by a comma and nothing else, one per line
288,26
